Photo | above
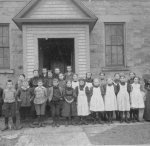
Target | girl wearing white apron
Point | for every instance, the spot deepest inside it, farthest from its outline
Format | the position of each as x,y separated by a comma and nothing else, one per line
75,81
123,101
110,100
82,101
137,100
96,102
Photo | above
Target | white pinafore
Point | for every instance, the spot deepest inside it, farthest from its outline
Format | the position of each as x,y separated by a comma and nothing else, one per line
82,107
75,84
123,102
97,102
136,97
110,99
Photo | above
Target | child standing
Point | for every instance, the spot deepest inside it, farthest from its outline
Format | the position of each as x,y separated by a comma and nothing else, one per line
69,106
82,101
136,98
97,101
130,81
40,99
75,81
62,82
110,99
69,74
146,115
123,102
9,98
89,80
54,98
56,73
49,79
20,81
25,96
116,82
1,100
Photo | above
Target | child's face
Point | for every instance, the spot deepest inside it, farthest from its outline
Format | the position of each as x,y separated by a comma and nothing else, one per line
96,83
61,76
88,75
9,84
36,73
57,71
40,84
136,80
117,76
110,81
75,77
102,76
132,75
69,69
25,84
69,84
21,78
50,74
122,79
44,70
81,83
55,83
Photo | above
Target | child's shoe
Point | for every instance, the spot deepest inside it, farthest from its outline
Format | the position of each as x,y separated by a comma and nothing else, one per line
85,122
54,124
31,125
67,123
101,122
15,127
43,125
73,123
126,120
57,124
39,125
94,122
5,128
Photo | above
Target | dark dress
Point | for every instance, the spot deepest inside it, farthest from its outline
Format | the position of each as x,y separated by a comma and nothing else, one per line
146,115
69,109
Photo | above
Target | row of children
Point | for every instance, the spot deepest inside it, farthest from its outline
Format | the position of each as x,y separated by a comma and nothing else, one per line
80,98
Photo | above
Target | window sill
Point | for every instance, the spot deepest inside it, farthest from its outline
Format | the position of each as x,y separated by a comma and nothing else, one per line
112,69
6,71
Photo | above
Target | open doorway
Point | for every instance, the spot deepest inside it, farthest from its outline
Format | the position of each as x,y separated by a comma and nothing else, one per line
56,52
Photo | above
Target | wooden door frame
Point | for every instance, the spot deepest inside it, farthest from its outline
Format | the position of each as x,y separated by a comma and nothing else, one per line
67,36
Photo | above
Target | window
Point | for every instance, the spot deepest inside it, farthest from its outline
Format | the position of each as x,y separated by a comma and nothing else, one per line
4,47
114,44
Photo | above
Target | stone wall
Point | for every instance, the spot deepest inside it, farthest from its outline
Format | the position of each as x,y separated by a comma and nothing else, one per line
136,15
8,9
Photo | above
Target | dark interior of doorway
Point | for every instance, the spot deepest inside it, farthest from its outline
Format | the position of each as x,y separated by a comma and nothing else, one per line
56,52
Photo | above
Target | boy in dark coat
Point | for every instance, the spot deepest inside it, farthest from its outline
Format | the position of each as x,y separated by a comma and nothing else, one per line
69,74
54,98
25,96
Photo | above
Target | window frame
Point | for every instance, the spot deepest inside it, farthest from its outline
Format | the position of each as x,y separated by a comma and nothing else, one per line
4,47
124,45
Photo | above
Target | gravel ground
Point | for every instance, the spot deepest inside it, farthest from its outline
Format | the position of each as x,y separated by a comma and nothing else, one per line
123,135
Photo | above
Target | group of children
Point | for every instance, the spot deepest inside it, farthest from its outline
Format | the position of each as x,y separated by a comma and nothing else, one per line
68,96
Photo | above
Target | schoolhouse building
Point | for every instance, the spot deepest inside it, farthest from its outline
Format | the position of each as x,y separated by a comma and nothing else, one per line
90,35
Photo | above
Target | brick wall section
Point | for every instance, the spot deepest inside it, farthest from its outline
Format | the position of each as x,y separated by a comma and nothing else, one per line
136,14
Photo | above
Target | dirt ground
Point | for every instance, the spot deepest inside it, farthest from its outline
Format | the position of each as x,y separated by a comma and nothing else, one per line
113,134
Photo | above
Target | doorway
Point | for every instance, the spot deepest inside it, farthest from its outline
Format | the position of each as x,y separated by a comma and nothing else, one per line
56,53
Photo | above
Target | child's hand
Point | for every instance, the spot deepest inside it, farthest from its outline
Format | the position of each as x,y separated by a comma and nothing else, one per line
19,100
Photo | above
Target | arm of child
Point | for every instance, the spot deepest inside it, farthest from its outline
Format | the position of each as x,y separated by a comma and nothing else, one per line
3,96
32,94
117,89
18,95
45,92
129,88
141,88
87,91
